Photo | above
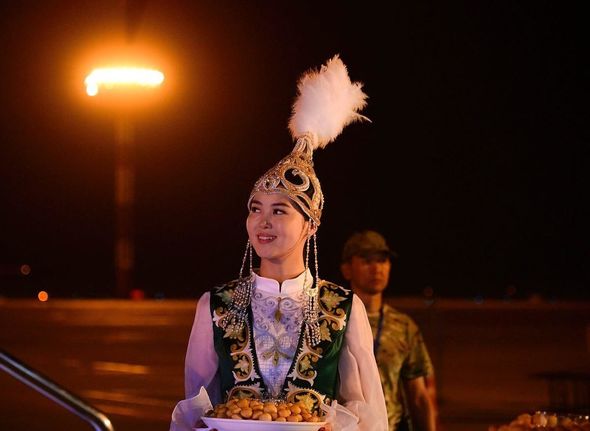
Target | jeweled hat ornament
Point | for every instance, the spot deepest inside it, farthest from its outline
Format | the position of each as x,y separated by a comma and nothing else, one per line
327,101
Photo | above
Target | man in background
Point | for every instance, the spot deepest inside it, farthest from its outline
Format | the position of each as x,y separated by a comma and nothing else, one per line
404,364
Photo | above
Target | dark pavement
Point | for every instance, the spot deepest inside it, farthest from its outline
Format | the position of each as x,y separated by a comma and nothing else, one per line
125,358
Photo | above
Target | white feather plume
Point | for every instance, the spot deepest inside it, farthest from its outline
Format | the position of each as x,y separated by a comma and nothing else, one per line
326,103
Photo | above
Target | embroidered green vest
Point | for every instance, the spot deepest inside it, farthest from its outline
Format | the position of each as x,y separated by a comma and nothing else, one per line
313,375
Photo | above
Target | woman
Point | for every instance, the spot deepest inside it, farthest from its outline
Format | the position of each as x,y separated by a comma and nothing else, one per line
281,332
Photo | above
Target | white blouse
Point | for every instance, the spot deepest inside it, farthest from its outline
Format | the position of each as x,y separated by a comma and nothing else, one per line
277,312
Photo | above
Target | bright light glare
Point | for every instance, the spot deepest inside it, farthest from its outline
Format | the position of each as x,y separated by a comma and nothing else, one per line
117,76
43,296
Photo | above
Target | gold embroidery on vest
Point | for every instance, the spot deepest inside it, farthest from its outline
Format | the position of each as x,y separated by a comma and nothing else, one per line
332,318
240,348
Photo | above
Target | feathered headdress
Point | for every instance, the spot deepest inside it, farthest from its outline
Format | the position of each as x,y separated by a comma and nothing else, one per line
327,101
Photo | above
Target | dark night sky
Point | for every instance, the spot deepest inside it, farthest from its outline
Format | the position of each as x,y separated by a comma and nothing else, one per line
474,166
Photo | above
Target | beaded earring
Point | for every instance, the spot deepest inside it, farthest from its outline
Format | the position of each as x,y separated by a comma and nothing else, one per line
237,311
311,307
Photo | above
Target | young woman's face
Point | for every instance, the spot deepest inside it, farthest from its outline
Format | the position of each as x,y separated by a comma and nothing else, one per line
276,229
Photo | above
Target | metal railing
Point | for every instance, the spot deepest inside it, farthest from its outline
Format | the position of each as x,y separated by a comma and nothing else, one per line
53,391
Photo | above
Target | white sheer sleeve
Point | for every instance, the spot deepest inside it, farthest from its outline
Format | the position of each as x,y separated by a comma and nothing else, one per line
360,390
201,382
200,365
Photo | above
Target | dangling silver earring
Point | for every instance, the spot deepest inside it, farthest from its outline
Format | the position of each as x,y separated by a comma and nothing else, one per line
306,259
251,252
237,310
311,310
247,252
315,255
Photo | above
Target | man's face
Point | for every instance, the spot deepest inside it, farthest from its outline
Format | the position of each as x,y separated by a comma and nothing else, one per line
367,274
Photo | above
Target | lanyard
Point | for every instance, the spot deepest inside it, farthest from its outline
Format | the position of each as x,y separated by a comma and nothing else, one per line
377,340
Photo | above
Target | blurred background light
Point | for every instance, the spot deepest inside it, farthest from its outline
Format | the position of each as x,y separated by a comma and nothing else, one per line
25,269
110,77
